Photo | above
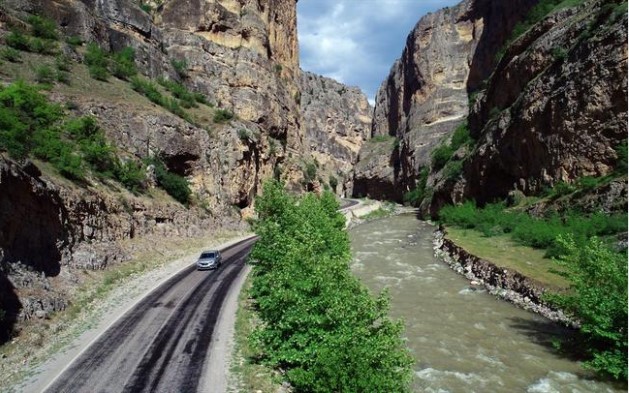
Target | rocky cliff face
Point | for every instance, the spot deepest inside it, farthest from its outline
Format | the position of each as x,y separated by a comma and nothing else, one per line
241,55
426,93
555,108
336,123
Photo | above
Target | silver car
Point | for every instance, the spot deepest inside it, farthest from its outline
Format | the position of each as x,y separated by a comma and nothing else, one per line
210,259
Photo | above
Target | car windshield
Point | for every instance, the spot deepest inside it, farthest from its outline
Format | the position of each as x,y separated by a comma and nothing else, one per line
206,255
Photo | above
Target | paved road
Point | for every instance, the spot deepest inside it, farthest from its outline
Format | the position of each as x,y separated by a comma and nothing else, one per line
162,343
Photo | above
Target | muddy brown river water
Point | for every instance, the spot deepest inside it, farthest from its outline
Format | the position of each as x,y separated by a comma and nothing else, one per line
463,340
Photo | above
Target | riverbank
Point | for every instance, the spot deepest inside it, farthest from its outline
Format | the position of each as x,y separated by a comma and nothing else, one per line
463,338
503,282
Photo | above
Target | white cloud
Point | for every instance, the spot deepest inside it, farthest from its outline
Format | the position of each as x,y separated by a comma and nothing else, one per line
357,41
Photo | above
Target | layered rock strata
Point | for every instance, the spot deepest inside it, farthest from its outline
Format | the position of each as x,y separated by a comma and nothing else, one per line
336,121
425,95
243,57
555,108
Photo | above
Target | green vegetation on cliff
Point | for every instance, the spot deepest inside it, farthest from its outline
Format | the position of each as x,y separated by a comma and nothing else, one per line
32,126
319,324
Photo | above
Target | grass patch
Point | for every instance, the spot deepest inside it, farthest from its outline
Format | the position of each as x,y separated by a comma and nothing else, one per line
250,376
505,252
382,138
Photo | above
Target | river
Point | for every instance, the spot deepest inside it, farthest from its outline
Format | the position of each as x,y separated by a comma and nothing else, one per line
463,340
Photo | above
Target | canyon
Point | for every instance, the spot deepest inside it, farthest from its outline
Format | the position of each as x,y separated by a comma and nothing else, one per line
531,121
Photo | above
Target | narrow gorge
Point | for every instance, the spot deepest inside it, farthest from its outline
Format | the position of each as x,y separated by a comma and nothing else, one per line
146,127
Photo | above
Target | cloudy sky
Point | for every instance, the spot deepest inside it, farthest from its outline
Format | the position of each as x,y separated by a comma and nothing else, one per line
357,41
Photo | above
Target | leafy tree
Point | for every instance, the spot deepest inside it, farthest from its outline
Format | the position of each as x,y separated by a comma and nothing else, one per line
598,300
311,305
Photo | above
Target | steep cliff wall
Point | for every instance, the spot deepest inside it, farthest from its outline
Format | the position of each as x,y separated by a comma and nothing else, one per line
242,56
555,108
426,93
336,123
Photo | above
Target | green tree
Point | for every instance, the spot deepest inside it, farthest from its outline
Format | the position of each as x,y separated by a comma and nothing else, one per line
312,305
598,300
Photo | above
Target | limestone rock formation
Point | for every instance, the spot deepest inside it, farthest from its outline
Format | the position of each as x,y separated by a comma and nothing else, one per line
555,108
336,121
426,93
242,55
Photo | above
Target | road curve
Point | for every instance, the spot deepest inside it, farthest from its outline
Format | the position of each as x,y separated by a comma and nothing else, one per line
161,344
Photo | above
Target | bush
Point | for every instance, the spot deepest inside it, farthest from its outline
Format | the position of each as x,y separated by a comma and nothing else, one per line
175,185
382,138
453,169
333,183
124,64
460,137
44,74
311,305
97,62
131,175
17,40
598,300
441,155
621,162
493,219
63,63
310,172
23,110
147,89
92,144
179,91
243,134
74,40
11,55
43,27
222,116
99,73
180,67
417,195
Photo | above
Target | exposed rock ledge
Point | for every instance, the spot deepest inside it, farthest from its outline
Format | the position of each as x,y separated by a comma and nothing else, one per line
505,283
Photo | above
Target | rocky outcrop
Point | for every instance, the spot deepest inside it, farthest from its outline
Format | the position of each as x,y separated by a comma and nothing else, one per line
336,121
426,93
48,226
555,108
375,173
242,55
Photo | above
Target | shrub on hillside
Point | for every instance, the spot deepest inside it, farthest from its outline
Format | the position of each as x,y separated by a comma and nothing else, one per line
123,66
175,185
96,60
43,27
17,40
222,116
131,175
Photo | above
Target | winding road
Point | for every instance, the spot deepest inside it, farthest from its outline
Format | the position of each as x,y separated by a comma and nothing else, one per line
160,345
